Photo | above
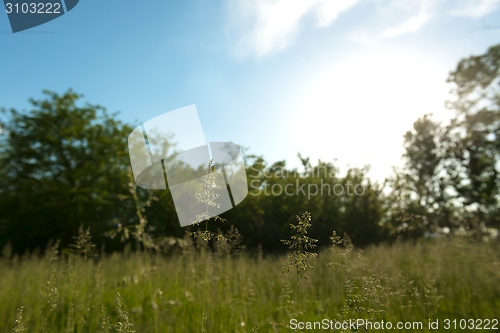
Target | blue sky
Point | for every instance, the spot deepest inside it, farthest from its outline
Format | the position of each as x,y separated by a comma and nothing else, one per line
329,79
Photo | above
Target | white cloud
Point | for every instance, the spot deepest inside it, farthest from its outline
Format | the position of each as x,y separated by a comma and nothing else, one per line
393,18
328,11
476,8
410,25
264,27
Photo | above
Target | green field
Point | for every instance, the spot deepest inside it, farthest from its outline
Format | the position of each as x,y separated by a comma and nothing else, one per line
445,279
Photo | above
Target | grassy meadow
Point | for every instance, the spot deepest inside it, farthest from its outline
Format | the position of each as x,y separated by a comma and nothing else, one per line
157,292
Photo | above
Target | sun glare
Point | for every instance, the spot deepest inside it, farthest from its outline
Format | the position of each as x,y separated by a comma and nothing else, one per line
359,111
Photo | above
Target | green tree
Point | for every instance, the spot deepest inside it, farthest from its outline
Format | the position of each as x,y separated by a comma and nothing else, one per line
476,130
451,173
422,198
348,203
63,165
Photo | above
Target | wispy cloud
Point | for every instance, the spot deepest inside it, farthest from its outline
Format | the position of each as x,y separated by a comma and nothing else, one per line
264,27
476,8
409,25
393,18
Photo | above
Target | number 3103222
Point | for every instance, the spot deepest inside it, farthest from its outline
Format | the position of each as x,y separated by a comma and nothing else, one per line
33,8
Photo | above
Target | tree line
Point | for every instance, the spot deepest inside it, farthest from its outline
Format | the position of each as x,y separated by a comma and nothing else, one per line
65,165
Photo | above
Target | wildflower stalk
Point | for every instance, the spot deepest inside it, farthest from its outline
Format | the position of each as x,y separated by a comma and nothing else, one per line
124,325
208,197
138,231
204,280
18,324
300,257
83,245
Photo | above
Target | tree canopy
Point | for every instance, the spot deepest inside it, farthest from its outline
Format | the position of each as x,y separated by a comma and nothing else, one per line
65,164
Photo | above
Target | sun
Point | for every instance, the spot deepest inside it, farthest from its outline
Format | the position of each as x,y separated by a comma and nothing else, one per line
359,110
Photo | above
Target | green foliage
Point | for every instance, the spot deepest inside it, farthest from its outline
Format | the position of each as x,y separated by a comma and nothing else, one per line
300,243
476,134
123,325
83,245
340,246
65,173
235,239
63,165
422,198
267,210
139,231
18,323
105,325
451,176
404,282
475,81
208,197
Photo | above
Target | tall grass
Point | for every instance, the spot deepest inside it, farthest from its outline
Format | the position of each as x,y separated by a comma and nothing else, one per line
154,292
